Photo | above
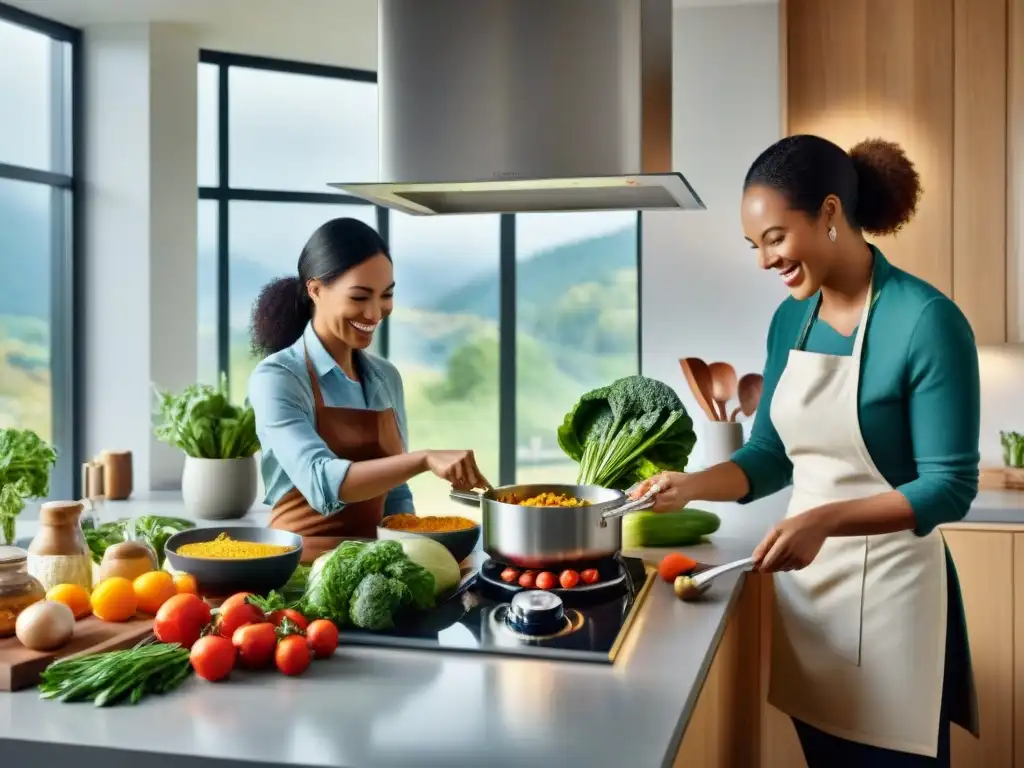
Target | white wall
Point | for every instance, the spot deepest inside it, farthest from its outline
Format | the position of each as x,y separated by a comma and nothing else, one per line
702,293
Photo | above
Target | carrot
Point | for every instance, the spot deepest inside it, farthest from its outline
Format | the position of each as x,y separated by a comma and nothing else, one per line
674,565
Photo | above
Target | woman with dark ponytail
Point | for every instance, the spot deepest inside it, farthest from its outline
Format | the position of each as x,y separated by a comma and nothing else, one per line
870,411
330,416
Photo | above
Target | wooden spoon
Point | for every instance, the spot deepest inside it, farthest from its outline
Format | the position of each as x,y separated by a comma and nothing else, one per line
699,378
750,387
723,386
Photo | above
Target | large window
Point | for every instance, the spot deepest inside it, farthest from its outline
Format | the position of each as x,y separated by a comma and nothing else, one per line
500,322
272,134
38,184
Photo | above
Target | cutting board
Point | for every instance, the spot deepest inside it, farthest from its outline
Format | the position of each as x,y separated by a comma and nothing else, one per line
20,667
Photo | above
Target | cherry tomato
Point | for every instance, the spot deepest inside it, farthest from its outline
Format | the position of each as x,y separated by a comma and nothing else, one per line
238,615
322,636
212,657
590,576
276,617
236,599
181,620
568,578
255,644
546,580
510,575
526,580
292,655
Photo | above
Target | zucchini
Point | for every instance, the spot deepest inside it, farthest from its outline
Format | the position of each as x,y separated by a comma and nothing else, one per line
668,529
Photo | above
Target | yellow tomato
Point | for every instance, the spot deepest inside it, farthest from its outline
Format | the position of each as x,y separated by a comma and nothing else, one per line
114,599
186,583
153,589
74,596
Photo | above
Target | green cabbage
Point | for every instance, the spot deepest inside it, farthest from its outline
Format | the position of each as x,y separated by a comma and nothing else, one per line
434,557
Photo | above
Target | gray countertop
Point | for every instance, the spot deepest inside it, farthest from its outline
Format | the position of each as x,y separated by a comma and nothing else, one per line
378,708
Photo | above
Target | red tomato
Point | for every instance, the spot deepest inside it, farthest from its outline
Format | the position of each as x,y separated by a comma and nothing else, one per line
276,617
568,578
292,655
181,619
510,575
590,576
255,644
674,565
238,598
546,580
322,636
526,580
212,657
238,615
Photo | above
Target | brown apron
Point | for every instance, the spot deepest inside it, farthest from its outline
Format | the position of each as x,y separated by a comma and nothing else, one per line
356,434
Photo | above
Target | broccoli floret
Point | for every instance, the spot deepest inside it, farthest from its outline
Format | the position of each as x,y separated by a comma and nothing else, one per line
417,579
375,602
626,432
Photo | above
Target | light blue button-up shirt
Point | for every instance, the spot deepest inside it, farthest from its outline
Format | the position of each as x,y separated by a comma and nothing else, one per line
293,454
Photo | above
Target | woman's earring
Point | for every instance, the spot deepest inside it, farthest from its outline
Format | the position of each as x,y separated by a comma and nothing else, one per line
832,233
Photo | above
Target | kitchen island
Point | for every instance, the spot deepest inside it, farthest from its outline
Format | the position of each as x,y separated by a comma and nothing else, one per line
688,682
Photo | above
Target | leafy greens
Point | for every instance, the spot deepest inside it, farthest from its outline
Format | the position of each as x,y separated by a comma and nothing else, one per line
154,530
626,432
202,422
1013,449
25,463
366,584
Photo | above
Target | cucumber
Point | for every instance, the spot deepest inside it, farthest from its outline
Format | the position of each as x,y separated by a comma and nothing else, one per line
668,529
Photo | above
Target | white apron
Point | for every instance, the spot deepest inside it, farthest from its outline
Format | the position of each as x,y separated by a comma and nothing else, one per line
859,636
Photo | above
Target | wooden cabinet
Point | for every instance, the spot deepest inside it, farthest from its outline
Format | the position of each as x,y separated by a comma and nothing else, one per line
933,76
1018,651
985,561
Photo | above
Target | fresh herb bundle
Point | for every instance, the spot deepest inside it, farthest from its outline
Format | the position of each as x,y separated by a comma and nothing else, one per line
202,422
25,463
117,676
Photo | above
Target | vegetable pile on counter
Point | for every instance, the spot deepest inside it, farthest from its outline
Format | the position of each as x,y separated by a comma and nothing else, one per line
25,464
626,432
366,584
202,422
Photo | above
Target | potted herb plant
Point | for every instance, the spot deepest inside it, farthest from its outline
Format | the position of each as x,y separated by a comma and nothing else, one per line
25,463
220,445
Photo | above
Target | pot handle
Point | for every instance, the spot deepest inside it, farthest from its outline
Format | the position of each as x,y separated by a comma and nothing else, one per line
468,498
644,502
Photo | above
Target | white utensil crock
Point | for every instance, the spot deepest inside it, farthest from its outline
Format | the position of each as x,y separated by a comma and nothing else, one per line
719,440
218,489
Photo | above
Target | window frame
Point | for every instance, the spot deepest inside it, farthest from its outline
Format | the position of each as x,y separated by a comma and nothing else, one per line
224,194
66,244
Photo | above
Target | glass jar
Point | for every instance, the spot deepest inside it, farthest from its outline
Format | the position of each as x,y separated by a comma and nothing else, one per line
18,589
59,554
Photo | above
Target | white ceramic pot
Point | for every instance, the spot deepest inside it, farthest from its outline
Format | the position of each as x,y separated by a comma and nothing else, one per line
218,489
719,441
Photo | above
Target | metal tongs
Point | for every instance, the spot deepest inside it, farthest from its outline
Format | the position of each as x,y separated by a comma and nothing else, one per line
644,502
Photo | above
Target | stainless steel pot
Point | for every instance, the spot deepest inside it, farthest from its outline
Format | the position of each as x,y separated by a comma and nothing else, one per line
546,537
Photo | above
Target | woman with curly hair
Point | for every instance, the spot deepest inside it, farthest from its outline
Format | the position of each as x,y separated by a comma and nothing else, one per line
870,410
331,416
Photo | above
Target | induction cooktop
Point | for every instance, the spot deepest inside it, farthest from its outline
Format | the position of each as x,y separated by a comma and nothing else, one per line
586,623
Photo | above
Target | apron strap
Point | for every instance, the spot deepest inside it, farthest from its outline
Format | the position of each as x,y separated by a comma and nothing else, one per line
318,398
858,342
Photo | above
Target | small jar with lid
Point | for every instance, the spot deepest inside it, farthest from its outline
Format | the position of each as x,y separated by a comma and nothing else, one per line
59,553
18,589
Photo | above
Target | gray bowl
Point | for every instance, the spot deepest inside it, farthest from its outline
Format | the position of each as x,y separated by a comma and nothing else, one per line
217,577
460,543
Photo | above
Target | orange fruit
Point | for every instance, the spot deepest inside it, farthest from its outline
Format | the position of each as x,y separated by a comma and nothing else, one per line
114,599
153,589
186,583
74,596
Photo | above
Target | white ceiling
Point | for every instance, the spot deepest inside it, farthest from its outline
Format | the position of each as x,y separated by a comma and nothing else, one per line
217,12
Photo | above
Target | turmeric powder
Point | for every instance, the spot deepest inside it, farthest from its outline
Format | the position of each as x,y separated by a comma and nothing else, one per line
225,548
416,524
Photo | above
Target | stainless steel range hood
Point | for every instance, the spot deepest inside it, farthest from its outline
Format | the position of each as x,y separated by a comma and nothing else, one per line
507,106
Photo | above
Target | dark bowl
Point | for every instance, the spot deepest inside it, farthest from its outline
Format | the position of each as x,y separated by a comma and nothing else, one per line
217,576
460,543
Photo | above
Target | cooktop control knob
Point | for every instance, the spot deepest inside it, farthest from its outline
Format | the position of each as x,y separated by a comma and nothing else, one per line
536,612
